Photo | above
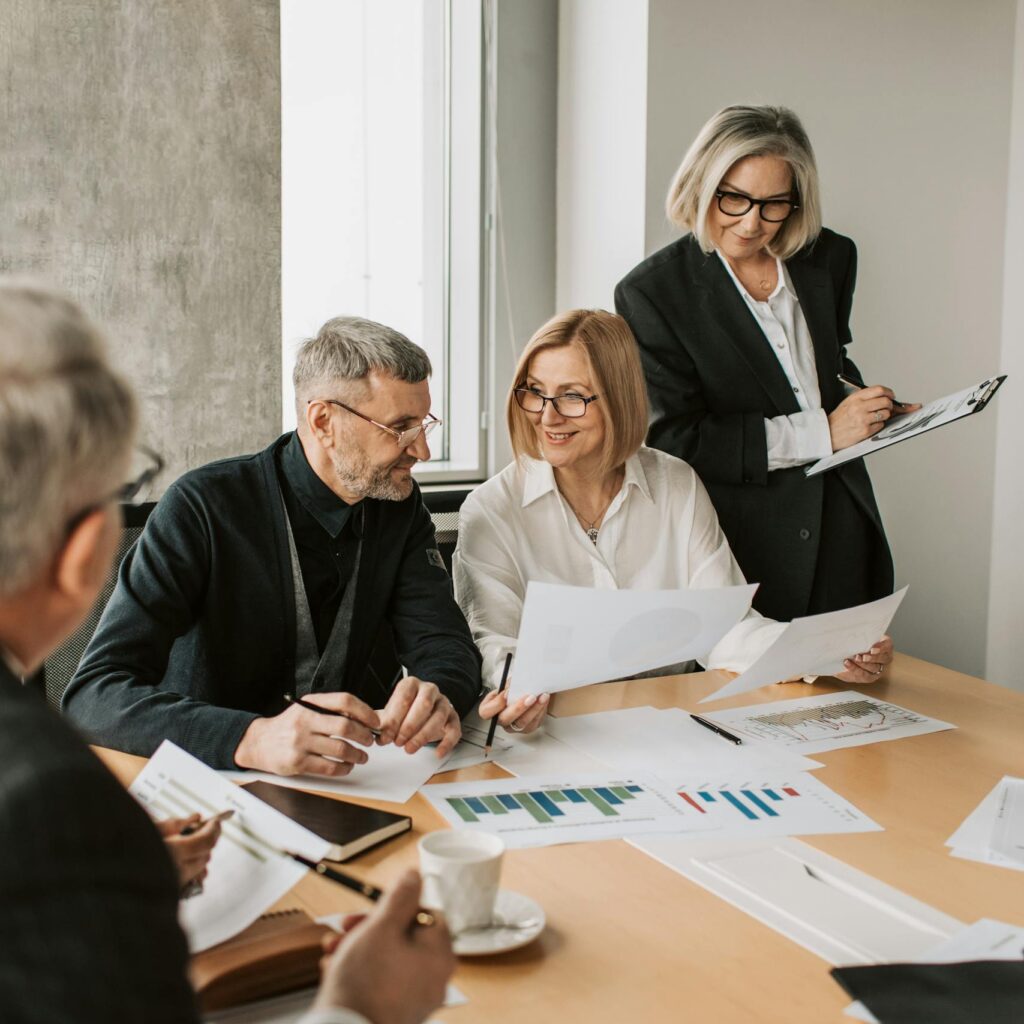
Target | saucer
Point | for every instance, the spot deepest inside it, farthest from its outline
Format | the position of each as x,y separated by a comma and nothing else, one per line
513,908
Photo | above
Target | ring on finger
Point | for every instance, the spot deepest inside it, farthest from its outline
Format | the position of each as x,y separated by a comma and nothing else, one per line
515,727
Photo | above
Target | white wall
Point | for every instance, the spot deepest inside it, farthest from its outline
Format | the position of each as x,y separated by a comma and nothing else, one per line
908,107
1005,663
602,96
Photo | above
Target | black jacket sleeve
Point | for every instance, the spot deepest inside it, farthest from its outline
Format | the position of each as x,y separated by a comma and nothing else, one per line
431,635
125,693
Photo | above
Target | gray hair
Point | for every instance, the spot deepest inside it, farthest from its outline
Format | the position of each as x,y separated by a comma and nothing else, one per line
346,350
735,133
67,424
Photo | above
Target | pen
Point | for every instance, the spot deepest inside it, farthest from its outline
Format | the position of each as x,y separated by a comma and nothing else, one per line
860,386
371,892
494,720
189,830
310,706
724,733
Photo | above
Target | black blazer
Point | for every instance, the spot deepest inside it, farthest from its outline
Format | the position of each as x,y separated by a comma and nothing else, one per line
88,895
198,638
713,379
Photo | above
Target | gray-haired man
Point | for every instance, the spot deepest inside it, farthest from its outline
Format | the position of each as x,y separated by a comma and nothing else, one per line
272,574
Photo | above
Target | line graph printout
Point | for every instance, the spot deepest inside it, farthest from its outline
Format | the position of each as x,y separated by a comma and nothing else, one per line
529,812
814,725
800,806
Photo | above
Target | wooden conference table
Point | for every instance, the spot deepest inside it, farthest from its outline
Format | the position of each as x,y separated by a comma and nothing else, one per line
629,940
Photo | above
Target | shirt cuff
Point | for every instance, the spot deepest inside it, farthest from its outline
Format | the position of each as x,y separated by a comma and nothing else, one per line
797,439
333,1015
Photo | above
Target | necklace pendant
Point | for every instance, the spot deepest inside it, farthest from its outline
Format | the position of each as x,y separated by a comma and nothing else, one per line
592,534
766,285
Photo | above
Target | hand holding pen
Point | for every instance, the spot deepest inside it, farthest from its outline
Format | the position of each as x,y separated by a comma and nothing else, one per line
864,413
190,842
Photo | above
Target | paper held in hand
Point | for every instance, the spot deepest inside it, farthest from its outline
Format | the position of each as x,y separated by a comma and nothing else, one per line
572,636
816,645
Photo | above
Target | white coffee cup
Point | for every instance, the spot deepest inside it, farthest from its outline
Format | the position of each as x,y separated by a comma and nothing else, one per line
461,871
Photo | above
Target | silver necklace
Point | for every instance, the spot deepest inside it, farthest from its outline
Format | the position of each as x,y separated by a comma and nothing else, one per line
590,527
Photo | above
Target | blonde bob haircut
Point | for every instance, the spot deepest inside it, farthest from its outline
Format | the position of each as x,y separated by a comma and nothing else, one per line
611,350
731,135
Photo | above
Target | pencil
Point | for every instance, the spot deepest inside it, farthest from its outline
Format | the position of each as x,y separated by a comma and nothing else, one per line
310,706
219,816
494,720
371,892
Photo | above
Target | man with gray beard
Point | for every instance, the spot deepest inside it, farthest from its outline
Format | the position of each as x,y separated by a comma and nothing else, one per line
260,584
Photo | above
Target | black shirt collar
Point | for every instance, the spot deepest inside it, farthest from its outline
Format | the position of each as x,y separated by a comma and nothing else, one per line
315,496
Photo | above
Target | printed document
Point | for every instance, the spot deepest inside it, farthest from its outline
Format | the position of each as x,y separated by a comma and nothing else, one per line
991,833
816,645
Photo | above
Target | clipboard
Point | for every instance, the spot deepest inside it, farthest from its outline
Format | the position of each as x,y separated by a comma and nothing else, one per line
937,413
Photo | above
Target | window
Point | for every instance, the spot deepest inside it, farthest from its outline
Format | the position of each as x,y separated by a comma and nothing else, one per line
381,192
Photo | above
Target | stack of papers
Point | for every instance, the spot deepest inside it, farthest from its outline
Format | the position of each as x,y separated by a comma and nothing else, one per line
994,832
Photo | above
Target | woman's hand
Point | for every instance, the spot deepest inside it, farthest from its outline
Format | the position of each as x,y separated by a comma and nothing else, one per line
522,716
867,667
863,414
190,853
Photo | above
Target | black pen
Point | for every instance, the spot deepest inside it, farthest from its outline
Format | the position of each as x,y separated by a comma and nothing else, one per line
860,386
310,706
494,720
724,733
371,892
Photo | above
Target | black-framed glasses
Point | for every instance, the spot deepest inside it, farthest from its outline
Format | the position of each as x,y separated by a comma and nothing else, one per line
403,438
736,204
570,405
132,493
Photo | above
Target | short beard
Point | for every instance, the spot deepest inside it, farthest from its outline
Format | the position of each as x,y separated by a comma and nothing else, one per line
357,476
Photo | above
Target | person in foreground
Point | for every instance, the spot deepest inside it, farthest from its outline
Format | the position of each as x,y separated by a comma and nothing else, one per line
585,503
743,326
88,894
272,574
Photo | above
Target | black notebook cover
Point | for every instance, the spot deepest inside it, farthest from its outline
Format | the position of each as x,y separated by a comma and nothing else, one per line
349,828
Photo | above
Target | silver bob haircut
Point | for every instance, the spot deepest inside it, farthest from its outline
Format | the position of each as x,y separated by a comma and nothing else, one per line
67,426
732,134
346,350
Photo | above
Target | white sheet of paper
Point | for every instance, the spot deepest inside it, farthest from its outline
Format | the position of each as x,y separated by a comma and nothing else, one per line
390,774
545,811
669,743
247,873
816,645
815,725
931,415
542,754
755,806
1008,829
469,751
572,636
973,839
984,940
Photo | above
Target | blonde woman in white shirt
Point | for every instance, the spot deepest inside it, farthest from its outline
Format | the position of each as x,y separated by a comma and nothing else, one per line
585,503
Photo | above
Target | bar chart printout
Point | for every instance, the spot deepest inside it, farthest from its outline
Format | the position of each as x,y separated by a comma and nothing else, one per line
539,812
816,724
800,806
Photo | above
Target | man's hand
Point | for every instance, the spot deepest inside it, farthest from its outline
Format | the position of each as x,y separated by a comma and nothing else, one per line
863,414
867,667
190,853
386,967
419,713
523,716
303,742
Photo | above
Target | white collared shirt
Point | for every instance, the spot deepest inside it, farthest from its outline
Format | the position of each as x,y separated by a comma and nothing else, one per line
803,436
660,532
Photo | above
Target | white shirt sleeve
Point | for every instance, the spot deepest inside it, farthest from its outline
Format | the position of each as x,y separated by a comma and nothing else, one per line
488,586
797,439
333,1015
714,565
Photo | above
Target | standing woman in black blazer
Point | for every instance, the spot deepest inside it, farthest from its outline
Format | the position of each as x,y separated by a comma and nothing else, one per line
743,326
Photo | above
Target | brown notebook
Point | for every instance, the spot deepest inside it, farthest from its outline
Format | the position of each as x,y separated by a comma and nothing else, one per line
278,953
349,828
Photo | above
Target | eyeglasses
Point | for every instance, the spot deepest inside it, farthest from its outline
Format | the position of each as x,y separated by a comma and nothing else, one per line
403,438
570,406
132,493
736,204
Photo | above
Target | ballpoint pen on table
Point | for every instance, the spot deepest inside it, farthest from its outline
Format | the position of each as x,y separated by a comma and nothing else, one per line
724,733
310,706
494,720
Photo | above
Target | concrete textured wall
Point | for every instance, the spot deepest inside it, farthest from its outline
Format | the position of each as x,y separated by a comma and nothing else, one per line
141,172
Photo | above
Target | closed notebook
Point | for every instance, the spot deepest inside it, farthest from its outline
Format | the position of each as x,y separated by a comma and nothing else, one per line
349,828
